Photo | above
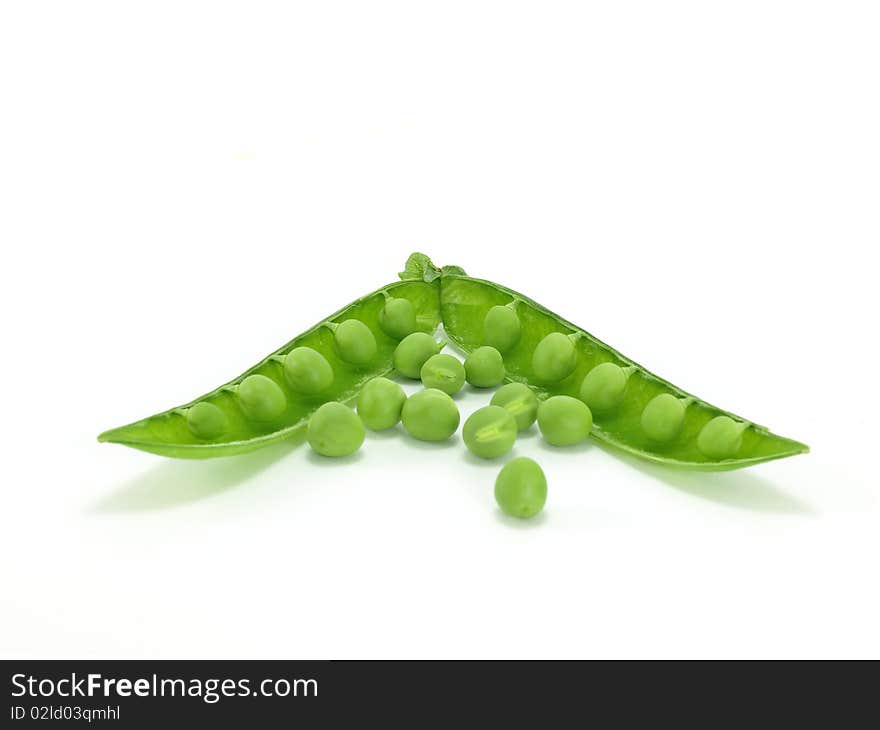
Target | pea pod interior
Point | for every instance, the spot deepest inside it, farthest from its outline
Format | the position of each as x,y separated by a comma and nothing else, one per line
168,434
465,301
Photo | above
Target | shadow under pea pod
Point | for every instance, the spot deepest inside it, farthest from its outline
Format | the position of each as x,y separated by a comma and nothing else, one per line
738,489
182,481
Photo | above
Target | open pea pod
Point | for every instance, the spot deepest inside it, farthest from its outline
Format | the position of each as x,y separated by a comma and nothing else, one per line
275,399
638,412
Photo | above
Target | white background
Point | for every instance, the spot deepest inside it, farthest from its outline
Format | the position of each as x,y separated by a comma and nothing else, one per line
184,187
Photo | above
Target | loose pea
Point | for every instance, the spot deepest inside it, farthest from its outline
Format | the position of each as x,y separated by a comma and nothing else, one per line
484,367
603,387
307,371
663,417
521,488
564,420
206,421
355,343
379,403
489,432
554,358
501,328
335,430
398,317
261,398
430,415
520,401
721,438
413,352
443,372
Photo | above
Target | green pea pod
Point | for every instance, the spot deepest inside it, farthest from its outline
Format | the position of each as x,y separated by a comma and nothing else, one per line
234,420
619,396
634,410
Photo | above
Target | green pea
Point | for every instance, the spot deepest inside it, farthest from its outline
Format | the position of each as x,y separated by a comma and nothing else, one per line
335,430
355,343
564,420
413,352
663,417
489,432
379,403
430,415
206,421
721,438
398,317
443,372
484,367
521,488
603,387
501,328
554,358
261,398
307,371
520,401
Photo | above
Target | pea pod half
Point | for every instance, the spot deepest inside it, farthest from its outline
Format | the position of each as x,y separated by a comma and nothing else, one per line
275,399
633,409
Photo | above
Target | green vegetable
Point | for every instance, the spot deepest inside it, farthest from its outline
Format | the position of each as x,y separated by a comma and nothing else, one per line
550,356
335,430
443,372
564,420
663,418
521,488
307,371
604,386
266,410
466,301
430,415
261,399
520,400
398,317
554,358
501,327
489,432
379,404
355,343
484,367
721,438
413,352
206,421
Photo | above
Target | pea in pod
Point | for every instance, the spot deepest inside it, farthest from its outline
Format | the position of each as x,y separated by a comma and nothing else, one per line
633,409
